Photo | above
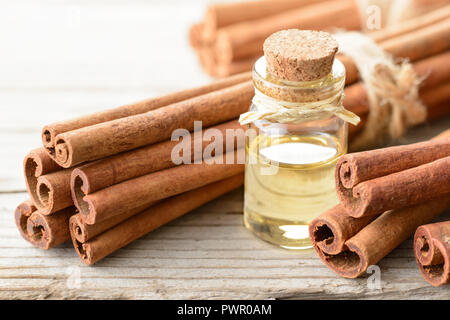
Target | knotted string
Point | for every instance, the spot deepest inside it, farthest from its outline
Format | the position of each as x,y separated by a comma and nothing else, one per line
392,90
271,109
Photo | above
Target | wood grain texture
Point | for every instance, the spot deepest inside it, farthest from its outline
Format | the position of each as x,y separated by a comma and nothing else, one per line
92,55
206,254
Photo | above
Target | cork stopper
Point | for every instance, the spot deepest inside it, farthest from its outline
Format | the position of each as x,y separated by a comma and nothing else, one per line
300,55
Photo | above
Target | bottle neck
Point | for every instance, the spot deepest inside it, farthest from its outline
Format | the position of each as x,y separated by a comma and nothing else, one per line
299,92
297,102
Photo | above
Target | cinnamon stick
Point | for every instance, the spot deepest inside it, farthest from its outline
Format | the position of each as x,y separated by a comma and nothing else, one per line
137,226
435,99
105,139
103,173
432,251
21,216
411,25
196,35
380,237
365,196
47,184
420,44
354,168
50,132
336,13
208,61
40,230
46,232
224,14
83,232
333,228
237,66
135,193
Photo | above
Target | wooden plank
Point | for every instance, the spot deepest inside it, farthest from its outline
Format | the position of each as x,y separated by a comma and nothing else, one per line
224,261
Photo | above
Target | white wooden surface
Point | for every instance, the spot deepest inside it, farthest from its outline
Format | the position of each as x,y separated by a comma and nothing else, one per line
59,59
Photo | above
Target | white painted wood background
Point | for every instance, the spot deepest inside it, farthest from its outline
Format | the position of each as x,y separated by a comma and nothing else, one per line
59,59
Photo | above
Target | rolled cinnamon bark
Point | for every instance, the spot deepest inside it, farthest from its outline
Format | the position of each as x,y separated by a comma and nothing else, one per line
196,35
380,237
105,139
432,250
83,232
53,192
47,184
422,43
106,172
332,229
336,13
224,14
50,132
393,191
21,216
135,193
436,99
354,168
416,45
43,231
137,226
36,164
415,23
237,66
46,232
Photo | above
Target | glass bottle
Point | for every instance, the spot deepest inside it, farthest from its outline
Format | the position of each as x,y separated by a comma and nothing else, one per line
290,161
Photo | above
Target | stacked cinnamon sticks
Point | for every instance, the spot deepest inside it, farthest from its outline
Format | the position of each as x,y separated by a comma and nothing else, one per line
108,178
230,38
423,40
385,195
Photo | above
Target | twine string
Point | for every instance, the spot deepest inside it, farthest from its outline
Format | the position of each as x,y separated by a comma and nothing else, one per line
268,108
392,90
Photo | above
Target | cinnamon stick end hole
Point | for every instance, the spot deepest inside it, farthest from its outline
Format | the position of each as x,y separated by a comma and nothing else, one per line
345,174
44,194
38,233
345,261
81,250
22,222
324,234
46,136
434,271
424,247
82,205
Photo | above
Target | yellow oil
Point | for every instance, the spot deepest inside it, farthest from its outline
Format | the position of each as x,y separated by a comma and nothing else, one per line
289,181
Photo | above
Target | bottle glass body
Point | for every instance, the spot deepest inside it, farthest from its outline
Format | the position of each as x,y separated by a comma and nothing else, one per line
289,174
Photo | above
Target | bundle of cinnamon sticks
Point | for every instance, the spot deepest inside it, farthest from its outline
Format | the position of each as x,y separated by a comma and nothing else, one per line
231,37
385,195
106,179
